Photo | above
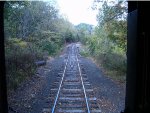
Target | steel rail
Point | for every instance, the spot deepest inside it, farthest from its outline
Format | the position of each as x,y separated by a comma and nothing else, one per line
54,106
87,105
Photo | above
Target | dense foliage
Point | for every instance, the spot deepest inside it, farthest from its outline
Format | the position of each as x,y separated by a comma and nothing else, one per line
33,30
108,42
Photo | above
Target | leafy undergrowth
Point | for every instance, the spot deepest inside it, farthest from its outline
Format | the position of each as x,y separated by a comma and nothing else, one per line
84,51
21,57
112,64
20,61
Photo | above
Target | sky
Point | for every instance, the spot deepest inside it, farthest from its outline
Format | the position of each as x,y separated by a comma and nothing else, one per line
78,11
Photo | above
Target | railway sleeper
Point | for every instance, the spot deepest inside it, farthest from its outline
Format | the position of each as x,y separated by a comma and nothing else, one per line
76,99
71,84
77,107
77,111
75,90
72,87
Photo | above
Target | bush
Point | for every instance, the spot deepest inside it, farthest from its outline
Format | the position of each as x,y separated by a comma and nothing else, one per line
107,54
113,62
84,51
20,61
21,56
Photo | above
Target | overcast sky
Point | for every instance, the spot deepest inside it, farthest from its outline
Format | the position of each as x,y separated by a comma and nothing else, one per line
78,11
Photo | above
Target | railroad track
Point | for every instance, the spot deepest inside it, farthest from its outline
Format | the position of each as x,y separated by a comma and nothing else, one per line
72,92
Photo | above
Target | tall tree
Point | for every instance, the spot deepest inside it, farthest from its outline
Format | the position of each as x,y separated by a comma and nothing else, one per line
112,18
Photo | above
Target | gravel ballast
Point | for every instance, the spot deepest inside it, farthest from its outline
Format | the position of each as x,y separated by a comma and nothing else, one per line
110,94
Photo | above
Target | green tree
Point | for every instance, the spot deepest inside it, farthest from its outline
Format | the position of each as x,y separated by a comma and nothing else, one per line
112,18
108,42
33,30
84,31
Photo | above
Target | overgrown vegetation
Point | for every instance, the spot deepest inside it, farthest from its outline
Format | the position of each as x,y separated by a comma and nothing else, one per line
33,30
107,43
